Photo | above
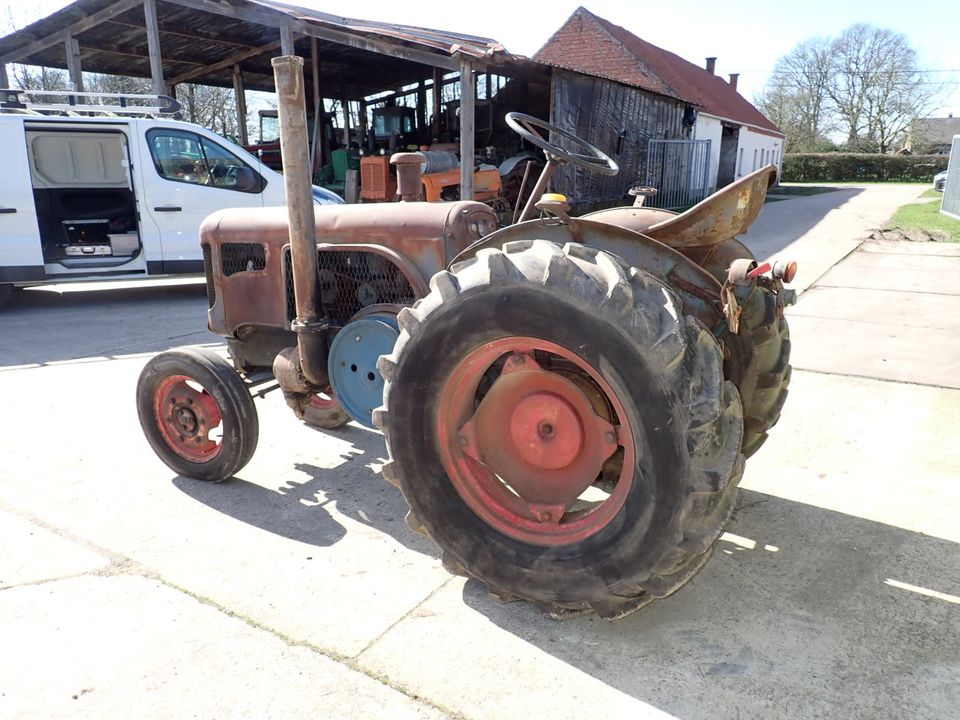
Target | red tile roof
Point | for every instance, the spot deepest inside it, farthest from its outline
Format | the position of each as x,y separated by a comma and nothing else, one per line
591,45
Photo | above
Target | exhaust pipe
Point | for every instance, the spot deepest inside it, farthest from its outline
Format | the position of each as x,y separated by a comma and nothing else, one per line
309,324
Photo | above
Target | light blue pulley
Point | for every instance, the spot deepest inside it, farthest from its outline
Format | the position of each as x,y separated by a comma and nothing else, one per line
352,364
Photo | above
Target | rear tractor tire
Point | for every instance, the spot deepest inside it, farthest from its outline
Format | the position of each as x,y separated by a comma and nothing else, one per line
197,414
561,429
759,364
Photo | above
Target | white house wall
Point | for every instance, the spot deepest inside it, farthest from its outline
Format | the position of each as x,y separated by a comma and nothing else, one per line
750,144
710,128
755,150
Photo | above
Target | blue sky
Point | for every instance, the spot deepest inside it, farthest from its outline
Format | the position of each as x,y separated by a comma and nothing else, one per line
746,37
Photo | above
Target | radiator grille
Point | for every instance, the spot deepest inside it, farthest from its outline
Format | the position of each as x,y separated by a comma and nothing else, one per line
242,257
350,281
208,271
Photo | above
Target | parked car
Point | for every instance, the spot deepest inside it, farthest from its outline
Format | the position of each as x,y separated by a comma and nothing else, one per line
940,181
115,197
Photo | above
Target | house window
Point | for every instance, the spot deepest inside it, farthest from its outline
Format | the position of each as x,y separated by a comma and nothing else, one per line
740,164
755,158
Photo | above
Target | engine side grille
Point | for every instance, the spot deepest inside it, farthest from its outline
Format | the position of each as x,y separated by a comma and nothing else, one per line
350,281
242,257
208,271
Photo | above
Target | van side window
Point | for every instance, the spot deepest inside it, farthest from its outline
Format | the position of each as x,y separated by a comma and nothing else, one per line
186,157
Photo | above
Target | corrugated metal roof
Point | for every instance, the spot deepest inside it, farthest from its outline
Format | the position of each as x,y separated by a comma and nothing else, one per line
431,39
358,57
591,45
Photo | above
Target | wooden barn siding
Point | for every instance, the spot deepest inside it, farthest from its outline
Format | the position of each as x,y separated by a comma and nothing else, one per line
598,110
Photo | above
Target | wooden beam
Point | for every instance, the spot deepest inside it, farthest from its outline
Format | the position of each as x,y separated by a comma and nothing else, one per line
115,50
421,106
278,19
4,80
468,90
241,101
153,45
225,63
168,30
346,122
25,51
437,105
73,62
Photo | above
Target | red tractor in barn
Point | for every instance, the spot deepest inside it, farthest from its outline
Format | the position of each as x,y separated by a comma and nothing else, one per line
567,402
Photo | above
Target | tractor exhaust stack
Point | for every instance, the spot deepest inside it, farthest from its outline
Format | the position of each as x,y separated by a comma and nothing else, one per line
309,324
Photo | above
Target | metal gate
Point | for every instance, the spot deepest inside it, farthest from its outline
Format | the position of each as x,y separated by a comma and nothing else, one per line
679,170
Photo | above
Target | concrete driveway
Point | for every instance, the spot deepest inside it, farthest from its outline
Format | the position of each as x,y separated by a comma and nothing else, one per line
297,589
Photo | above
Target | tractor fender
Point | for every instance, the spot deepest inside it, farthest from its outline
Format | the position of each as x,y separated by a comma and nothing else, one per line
701,291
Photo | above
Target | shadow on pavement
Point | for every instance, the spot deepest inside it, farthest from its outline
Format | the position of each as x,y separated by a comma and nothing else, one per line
807,613
297,510
291,512
41,326
782,223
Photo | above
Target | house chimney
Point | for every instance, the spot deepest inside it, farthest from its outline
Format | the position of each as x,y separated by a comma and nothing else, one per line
733,80
711,65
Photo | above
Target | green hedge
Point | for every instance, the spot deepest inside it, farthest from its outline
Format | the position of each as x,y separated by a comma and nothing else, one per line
861,167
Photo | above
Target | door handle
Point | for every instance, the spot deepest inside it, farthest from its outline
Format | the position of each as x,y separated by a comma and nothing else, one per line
7,211
168,208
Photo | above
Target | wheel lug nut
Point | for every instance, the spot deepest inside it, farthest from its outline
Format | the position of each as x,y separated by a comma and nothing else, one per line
464,441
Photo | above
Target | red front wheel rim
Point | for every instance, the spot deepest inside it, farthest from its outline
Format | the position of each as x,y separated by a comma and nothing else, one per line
535,441
324,400
188,418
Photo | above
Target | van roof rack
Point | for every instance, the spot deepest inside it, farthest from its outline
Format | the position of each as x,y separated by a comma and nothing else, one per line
68,101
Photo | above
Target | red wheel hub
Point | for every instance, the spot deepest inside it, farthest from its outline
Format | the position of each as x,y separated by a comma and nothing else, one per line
186,414
324,400
530,457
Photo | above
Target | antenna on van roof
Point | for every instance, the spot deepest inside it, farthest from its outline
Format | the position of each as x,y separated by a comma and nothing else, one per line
87,102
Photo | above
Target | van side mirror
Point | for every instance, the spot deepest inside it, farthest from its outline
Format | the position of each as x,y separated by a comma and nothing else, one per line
247,180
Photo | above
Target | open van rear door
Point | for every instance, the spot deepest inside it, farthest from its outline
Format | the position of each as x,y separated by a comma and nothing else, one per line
20,256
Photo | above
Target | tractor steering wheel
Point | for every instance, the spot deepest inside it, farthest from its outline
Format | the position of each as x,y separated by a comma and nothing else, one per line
594,160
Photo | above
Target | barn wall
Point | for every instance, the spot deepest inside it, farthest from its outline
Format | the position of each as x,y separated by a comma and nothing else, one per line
598,111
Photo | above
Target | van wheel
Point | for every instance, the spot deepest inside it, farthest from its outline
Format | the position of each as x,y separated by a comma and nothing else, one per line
6,291
197,414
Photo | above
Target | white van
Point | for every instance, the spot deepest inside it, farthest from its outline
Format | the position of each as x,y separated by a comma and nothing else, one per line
108,196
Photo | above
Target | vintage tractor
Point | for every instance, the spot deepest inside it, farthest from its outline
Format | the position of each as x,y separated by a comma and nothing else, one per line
567,402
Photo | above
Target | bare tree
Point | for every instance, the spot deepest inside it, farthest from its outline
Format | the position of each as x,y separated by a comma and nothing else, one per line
866,83
212,107
796,96
878,87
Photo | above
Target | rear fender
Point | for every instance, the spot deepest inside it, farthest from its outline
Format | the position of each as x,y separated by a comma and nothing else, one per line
700,290
725,214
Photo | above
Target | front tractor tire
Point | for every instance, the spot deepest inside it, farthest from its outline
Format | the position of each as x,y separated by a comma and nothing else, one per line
197,414
561,429
324,411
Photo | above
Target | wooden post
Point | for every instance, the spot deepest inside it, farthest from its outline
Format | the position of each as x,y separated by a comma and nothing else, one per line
4,80
363,123
489,107
318,114
437,105
421,108
346,122
153,45
241,100
287,46
467,124
73,62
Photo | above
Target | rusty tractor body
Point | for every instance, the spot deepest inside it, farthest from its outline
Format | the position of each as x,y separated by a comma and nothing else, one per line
567,402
